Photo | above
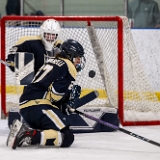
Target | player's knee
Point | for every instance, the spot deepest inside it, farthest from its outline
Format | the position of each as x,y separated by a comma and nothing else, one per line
68,137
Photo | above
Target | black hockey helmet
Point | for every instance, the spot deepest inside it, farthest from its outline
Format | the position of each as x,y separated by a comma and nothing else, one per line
71,49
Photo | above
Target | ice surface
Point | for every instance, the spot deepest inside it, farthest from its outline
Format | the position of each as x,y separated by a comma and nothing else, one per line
90,146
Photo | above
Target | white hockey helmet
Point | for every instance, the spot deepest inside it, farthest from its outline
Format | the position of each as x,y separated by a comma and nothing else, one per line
49,27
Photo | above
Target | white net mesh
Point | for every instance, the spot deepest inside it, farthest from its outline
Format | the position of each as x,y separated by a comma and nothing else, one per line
140,101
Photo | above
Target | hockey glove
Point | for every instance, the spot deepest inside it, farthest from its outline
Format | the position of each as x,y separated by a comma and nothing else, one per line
75,92
65,109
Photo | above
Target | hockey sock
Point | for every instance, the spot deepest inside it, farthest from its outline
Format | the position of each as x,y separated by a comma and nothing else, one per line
36,138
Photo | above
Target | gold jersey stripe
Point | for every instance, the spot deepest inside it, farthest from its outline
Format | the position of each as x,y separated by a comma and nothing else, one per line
71,67
27,38
52,95
36,102
53,117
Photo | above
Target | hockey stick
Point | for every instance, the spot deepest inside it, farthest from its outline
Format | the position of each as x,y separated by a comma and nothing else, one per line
114,127
86,99
4,62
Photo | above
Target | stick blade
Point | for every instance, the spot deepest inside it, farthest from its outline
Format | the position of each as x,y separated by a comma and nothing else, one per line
86,99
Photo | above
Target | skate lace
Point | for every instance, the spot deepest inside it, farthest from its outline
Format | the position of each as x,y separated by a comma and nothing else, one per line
28,140
25,141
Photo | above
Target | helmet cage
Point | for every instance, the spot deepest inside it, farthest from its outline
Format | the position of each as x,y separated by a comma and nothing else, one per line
50,27
80,67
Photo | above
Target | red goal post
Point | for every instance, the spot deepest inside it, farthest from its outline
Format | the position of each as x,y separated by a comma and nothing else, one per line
110,52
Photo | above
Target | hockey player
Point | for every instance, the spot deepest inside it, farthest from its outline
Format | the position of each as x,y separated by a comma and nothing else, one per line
41,46
42,101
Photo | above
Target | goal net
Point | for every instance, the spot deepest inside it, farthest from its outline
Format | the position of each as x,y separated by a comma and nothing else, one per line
113,67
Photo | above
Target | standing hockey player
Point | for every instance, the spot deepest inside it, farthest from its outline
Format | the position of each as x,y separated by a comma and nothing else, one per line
43,103
42,46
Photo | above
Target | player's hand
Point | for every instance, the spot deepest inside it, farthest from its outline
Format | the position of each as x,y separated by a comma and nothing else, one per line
65,109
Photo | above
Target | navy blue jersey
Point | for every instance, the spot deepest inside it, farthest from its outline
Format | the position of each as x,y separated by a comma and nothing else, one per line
37,48
34,45
51,85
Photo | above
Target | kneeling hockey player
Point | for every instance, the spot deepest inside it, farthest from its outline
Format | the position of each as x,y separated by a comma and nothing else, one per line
43,103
